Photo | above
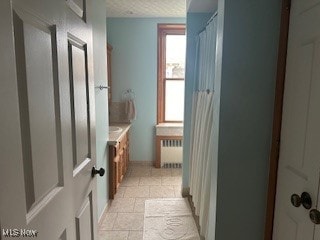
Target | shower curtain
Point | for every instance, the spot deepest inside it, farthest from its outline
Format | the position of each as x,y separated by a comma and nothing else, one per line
202,123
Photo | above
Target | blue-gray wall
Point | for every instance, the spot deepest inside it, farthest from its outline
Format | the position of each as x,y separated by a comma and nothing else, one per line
101,98
134,66
247,76
195,24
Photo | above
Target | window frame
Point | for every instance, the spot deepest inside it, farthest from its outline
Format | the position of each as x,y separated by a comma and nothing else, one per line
163,31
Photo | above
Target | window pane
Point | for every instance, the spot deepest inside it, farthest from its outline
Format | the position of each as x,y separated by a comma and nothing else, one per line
174,100
175,56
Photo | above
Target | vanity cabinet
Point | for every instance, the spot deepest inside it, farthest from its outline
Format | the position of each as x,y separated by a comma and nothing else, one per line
118,163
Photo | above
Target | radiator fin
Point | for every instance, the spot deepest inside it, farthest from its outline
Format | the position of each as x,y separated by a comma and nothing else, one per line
172,165
171,143
171,153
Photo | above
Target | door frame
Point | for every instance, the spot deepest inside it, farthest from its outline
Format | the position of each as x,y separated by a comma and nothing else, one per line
277,118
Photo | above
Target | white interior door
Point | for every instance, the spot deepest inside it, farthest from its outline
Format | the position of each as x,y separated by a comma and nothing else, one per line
47,125
299,159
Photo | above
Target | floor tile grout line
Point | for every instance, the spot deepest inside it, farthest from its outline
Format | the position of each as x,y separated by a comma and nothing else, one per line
103,230
114,221
127,212
134,205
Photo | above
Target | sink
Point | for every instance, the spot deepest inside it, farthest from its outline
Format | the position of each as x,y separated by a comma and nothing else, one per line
114,129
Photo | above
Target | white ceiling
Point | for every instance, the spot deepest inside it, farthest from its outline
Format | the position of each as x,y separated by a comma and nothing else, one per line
202,5
146,8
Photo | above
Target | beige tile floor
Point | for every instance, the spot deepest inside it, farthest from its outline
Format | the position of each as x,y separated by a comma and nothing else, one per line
124,219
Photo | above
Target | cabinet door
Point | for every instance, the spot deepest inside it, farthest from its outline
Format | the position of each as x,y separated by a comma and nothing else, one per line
113,174
121,166
118,164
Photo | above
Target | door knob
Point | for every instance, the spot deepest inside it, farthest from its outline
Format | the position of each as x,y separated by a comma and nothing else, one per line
295,200
305,200
94,171
315,216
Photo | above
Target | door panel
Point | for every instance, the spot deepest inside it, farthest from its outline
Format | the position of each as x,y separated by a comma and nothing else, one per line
63,235
39,105
79,100
303,6
300,134
288,226
78,7
314,136
296,111
84,221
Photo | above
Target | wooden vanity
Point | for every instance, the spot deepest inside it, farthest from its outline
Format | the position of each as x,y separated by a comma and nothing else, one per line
118,157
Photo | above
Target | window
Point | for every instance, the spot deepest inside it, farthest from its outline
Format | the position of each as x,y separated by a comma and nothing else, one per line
171,70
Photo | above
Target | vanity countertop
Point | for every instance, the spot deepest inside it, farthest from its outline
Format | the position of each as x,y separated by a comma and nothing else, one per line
115,137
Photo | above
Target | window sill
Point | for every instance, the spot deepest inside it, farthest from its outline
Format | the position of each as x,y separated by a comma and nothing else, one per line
169,129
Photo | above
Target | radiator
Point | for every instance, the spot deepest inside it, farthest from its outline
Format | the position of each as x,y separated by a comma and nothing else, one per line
171,153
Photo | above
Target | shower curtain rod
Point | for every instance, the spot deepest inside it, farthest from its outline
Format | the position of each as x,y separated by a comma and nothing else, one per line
212,17
210,20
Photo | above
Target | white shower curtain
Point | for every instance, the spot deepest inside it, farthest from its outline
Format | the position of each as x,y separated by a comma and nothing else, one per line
202,123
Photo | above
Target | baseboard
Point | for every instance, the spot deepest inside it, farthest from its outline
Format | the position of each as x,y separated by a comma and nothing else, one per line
195,217
104,213
141,162
185,192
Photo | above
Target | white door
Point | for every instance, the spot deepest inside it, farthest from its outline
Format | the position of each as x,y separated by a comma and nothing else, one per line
47,125
299,159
